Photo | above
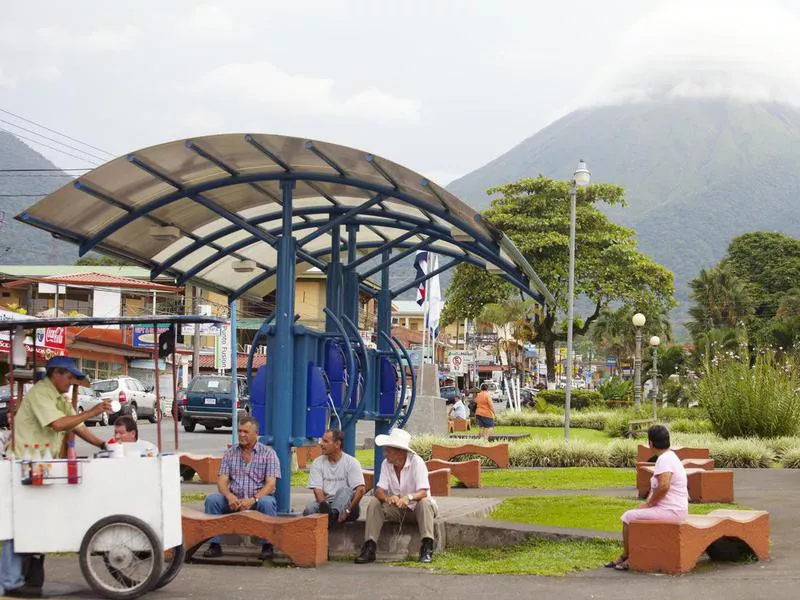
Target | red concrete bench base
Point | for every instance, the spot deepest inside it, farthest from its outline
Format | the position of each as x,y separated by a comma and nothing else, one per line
675,547
645,453
467,472
306,454
303,539
703,485
497,453
439,480
206,467
643,475
454,425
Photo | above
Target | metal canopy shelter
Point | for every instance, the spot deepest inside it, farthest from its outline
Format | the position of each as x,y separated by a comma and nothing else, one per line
242,214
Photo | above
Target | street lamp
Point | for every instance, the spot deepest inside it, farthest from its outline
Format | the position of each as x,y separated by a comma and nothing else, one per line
581,178
638,322
654,342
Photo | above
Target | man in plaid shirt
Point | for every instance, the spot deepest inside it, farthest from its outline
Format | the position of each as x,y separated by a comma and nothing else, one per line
246,481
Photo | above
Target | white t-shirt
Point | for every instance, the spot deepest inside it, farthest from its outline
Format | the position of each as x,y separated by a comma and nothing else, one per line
413,477
677,497
146,448
331,477
459,410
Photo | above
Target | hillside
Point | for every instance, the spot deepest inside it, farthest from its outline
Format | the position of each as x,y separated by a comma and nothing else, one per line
696,172
21,244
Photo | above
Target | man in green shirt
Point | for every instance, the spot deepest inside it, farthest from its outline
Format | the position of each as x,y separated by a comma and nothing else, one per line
45,415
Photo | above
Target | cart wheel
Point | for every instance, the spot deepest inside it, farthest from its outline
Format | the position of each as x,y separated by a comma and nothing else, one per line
121,557
173,563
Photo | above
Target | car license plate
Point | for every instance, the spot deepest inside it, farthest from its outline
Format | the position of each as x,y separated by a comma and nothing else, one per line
3,404
211,400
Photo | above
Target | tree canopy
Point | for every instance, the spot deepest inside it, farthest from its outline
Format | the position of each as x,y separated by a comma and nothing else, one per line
534,213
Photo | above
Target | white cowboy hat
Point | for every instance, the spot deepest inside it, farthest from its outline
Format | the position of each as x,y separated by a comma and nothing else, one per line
397,438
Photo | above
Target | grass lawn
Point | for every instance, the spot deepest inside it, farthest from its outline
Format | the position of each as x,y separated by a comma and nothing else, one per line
556,433
534,557
366,458
582,512
573,478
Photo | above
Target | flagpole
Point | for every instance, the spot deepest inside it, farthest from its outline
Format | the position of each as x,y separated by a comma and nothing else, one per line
424,327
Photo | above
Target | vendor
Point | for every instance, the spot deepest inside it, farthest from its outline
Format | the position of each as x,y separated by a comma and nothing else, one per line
44,417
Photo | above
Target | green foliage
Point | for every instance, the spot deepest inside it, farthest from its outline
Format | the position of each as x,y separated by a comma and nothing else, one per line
579,398
532,557
622,453
782,446
721,300
742,453
554,453
470,290
683,425
792,459
101,261
741,401
676,392
555,433
589,478
616,389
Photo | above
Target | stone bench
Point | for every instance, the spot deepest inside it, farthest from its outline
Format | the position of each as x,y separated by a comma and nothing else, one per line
643,475
454,425
656,546
206,467
645,453
304,540
439,480
306,454
467,472
497,453
703,485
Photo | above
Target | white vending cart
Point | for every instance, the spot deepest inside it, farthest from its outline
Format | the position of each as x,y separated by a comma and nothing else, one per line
121,515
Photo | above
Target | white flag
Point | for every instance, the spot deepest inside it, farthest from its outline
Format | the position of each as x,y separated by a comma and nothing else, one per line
434,297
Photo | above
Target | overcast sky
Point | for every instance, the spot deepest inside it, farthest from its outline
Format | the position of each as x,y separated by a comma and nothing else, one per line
442,87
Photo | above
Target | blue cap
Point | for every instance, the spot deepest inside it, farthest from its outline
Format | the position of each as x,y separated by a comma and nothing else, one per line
65,362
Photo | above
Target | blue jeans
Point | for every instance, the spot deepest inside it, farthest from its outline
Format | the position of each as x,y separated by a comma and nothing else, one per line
216,504
340,500
11,576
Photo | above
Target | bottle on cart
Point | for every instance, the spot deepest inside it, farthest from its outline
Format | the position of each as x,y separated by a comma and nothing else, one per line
72,463
36,466
47,462
26,464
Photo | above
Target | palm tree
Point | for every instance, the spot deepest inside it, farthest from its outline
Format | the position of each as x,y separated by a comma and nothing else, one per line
721,300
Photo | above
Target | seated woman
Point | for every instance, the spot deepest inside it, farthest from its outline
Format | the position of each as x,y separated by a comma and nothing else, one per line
669,496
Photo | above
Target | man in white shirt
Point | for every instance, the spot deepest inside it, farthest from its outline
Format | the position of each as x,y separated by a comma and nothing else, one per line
126,431
402,492
458,410
336,480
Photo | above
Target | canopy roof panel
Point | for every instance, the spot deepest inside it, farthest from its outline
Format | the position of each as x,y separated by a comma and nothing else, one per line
197,208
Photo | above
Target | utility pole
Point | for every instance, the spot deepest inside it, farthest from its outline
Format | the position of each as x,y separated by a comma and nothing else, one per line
196,336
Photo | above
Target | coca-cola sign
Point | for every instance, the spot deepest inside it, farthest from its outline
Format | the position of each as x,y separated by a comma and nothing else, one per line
52,337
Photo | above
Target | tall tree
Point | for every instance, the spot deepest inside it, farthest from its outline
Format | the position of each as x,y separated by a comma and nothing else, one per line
534,213
721,299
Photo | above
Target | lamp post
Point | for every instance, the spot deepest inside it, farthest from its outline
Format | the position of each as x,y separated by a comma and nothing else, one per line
581,178
654,342
638,322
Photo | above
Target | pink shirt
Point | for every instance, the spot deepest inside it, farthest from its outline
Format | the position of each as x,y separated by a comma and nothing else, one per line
413,477
677,497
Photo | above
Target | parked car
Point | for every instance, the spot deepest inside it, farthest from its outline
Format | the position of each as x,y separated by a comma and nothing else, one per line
181,399
5,396
136,399
495,391
87,400
209,402
449,393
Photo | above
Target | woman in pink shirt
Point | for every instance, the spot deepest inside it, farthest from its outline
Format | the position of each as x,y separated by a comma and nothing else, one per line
669,496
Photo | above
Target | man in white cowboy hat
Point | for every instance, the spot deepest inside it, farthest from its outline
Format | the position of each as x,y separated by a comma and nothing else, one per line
403,492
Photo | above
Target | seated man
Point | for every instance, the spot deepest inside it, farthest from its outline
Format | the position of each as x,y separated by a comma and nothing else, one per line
403,492
126,431
459,409
246,481
336,480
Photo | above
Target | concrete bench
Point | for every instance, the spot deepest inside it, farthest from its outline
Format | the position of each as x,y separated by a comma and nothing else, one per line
703,485
306,454
656,546
439,480
645,453
454,425
643,475
497,453
206,467
467,472
303,539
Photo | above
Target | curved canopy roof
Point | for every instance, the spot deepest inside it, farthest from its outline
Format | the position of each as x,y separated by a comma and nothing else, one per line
209,210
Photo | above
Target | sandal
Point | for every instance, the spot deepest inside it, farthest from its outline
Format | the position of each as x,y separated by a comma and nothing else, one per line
623,566
613,564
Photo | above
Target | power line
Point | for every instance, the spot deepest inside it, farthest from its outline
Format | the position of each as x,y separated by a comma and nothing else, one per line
31,131
22,137
8,112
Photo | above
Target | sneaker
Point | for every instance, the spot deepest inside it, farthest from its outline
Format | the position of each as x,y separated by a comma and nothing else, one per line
367,553
267,552
214,551
333,517
324,508
426,550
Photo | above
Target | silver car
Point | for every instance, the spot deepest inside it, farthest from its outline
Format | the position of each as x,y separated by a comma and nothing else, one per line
136,399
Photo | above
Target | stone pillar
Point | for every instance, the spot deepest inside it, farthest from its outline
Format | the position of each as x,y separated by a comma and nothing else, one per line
430,411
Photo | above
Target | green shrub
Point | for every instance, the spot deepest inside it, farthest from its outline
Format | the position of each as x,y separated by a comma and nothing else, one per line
742,401
578,398
616,390
589,420
622,453
781,446
528,418
791,460
551,453
684,425
741,453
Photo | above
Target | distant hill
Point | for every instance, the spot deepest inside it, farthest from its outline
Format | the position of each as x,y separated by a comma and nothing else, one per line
22,244
696,172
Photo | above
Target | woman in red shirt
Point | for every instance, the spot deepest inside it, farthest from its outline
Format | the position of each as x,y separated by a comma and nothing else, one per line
484,412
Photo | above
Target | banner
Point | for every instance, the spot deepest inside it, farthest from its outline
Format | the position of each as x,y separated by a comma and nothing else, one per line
143,335
50,341
222,349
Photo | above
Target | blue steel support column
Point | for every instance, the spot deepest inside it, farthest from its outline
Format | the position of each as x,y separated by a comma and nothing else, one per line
333,290
385,326
234,380
350,309
281,392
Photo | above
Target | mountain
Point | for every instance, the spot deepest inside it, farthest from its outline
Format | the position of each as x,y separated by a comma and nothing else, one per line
22,244
697,173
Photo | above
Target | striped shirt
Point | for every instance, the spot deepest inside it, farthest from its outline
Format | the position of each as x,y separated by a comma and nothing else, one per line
247,478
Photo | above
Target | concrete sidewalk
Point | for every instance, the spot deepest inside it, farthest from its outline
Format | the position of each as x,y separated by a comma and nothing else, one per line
775,490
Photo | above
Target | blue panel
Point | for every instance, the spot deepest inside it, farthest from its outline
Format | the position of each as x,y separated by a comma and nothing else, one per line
388,387
258,398
334,369
317,402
